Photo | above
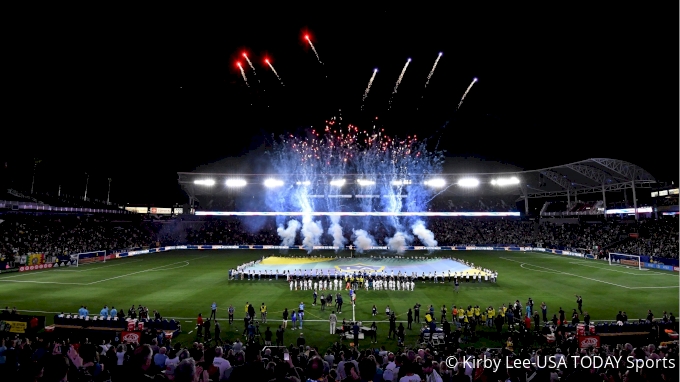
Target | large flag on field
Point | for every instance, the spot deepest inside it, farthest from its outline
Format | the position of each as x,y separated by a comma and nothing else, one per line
36,259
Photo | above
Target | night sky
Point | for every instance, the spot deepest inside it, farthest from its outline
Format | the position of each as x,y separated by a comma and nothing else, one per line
138,98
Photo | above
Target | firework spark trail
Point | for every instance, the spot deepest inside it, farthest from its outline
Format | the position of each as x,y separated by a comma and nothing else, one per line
432,71
401,76
466,92
314,49
318,163
251,66
368,88
275,72
243,73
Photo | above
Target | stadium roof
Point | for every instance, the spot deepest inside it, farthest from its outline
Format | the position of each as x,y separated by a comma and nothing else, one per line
592,175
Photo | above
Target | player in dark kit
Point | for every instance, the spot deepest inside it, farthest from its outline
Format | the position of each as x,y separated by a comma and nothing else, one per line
416,311
579,302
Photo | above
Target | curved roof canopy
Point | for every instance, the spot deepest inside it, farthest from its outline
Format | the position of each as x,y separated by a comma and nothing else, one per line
592,175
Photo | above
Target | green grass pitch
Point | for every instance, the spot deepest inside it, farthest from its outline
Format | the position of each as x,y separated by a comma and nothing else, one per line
180,284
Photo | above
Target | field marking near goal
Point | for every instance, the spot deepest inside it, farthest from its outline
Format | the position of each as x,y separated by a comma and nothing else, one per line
40,282
608,268
584,277
96,268
536,270
161,267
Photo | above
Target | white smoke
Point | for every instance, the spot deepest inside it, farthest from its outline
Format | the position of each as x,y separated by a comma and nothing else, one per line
363,240
425,235
335,230
311,233
287,235
397,243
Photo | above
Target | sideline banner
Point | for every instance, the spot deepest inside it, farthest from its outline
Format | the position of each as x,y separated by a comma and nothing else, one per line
585,342
130,337
35,267
13,327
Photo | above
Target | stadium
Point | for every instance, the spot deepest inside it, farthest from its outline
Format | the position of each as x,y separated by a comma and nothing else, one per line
341,194
492,252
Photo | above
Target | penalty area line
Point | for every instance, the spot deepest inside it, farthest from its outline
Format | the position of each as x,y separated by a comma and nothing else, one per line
146,270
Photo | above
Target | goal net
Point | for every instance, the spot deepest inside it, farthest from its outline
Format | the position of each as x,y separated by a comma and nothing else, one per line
87,258
630,261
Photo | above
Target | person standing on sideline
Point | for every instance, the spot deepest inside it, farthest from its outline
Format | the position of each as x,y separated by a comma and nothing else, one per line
416,311
218,331
456,284
544,310
199,325
263,313
213,311
231,314
333,320
285,318
409,318
579,302
374,333
293,318
356,330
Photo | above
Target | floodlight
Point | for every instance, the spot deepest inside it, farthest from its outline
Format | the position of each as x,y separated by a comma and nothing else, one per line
205,182
270,183
235,183
468,182
338,183
436,183
505,181
363,182
305,183
400,182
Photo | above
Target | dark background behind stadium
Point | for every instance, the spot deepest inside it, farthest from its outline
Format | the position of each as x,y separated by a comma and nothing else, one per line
138,96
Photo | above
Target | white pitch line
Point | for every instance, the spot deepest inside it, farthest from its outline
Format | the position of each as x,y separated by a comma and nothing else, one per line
536,270
146,270
588,278
40,282
96,268
624,272
190,332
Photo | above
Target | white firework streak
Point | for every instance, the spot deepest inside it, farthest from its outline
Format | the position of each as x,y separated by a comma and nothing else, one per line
274,70
315,52
466,92
401,76
251,67
243,73
432,71
368,88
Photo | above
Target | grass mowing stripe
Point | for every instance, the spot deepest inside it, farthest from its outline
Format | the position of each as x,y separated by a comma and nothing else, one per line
146,270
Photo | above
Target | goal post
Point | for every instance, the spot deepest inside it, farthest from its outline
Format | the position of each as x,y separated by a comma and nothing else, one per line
87,258
625,260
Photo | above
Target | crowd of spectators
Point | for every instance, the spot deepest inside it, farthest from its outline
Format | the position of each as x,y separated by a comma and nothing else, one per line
55,235
68,234
84,361
657,238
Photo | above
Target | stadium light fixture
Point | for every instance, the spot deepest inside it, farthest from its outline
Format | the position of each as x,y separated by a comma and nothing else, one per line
400,182
437,183
235,183
468,182
205,182
364,182
505,181
305,183
338,183
271,183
